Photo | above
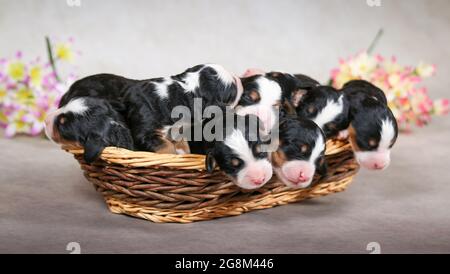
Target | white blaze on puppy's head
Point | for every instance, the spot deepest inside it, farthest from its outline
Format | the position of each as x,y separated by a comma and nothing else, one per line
75,106
162,88
255,172
269,92
330,111
222,74
380,158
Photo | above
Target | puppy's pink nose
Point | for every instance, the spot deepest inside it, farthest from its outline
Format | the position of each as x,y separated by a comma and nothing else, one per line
258,181
302,177
379,165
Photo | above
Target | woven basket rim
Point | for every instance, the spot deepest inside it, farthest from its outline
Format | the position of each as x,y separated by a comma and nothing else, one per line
129,158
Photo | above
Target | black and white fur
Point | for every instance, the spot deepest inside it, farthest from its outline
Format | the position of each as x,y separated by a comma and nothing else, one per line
265,94
90,122
327,107
90,114
300,152
373,129
150,104
237,150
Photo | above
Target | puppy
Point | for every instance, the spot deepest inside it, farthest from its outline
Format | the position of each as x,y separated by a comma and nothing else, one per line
150,105
300,152
261,97
90,122
327,107
265,94
238,151
373,129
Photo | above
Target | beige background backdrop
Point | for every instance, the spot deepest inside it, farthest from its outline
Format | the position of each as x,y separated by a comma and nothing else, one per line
45,202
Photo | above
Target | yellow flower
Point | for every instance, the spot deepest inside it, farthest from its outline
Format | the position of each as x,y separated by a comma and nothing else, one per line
25,96
36,76
64,52
3,94
16,70
3,118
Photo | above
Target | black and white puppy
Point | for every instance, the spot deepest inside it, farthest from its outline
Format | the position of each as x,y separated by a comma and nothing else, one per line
90,122
150,104
272,93
300,152
90,114
237,148
373,129
327,107
261,97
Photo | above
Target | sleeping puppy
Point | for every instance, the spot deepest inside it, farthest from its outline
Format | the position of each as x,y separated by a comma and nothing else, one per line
90,114
327,107
373,129
267,93
90,122
261,97
150,105
300,152
236,147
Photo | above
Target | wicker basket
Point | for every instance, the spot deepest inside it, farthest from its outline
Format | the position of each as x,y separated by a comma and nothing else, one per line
176,188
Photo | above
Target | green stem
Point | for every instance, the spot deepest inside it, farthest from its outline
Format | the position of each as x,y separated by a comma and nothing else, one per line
375,41
51,58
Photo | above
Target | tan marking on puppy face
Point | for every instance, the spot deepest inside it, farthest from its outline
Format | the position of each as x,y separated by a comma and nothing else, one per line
297,97
331,125
304,148
255,96
167,147
235,162
57,138
311,109
289,108
352,138
373,142
183,146
278,158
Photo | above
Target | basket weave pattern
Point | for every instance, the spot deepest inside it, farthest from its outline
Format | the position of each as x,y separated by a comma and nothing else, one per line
176,188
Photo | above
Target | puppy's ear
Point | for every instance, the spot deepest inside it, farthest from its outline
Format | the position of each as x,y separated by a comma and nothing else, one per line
287,108
119,135
210,162
93,147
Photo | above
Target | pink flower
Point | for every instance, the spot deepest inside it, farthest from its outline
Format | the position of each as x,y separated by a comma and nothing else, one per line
409,102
